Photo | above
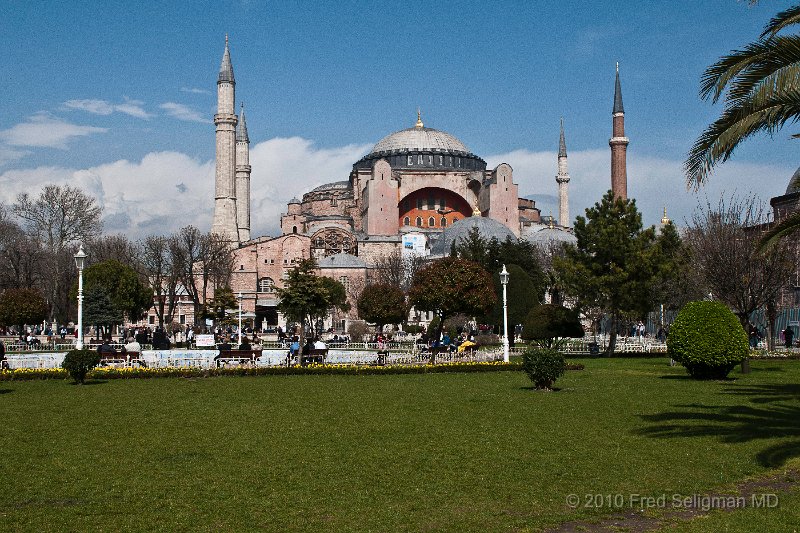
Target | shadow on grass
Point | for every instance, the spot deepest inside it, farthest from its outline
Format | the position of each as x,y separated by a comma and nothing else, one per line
534,389
775,416
92,382
6,391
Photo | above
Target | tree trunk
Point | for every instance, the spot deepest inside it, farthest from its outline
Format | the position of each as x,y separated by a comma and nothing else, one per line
612,336
744,321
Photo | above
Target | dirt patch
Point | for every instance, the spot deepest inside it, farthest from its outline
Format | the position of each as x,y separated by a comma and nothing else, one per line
750,493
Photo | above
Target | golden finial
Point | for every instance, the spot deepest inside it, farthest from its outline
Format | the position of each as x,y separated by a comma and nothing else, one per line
475,211
551,220
419,119
664,219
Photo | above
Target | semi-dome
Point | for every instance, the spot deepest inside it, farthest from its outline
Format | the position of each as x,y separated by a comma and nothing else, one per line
488,228
794,183
549,236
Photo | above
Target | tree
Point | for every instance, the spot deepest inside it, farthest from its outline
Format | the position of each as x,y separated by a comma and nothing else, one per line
760,88
58,220
22,306
617,266
382,304
724,244
307,296
522,296
99,311
396,269
201,260
158,262
452,285
224,299
546,323
125,289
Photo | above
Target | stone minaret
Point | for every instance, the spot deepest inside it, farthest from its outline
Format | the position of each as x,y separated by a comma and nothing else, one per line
243,178
619,146
225,184
562,178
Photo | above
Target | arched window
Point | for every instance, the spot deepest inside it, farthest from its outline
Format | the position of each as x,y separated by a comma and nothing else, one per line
444,222
266,285
331,241
294,229
419,222
431,222
406,221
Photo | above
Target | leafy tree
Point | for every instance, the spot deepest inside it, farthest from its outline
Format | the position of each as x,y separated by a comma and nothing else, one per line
522,295
307,296
548,322
99,310
616,265
123,285
452,285
382,304
22,306
759,87
223,300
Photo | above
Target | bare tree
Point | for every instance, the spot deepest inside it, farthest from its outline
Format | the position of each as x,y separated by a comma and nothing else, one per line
158,261
724,250
396,270
201,260
21,258
117,247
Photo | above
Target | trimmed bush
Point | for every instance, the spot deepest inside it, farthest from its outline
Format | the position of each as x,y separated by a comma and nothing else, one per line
79,362
547,322
543,366
707,339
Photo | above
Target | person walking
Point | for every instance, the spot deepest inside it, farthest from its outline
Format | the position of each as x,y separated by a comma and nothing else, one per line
788,336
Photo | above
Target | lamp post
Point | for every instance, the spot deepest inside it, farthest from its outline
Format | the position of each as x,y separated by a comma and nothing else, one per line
504,282
240,318
80,260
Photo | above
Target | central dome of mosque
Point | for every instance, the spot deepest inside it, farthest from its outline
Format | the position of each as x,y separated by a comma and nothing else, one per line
423,149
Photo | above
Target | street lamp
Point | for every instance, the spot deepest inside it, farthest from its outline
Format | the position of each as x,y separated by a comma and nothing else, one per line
240,318
504,282
80,260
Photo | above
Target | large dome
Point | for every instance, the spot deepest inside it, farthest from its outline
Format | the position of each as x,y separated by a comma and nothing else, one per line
794,183
487,228
419,139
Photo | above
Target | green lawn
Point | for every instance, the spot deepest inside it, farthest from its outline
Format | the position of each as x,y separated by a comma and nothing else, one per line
437,452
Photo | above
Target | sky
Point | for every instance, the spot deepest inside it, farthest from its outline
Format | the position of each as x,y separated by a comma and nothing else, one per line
118,97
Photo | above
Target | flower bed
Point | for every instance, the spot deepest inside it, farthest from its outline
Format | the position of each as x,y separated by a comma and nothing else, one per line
313,369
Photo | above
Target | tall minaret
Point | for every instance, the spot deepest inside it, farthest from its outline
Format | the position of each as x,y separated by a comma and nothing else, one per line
562,178
243,178
619,145
225,184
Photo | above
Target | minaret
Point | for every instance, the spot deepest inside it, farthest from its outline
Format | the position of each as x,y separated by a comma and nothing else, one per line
243,178
562,178
619,146
225,183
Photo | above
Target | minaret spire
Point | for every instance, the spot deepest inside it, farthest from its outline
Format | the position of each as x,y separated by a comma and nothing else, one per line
242,178
225,219
619,145
419,123
562,178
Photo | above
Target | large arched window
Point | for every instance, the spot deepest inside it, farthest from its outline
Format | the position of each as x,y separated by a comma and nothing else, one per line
407,221
444,222
266,285
431,222
331,241
419,222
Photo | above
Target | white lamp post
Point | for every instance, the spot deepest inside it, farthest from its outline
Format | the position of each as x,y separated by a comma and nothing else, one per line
80,260
504,282
240,318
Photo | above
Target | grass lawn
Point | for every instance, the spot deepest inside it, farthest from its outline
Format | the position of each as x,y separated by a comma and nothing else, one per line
437,452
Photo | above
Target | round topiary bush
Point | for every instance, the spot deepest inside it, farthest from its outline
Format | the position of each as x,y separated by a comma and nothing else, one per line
707,339
79,362
543,366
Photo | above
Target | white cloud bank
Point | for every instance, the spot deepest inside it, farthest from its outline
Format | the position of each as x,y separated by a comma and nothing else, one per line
168,190
103,107
44,130
183,112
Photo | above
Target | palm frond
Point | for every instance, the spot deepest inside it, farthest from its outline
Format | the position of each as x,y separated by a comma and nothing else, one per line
787,227
780,21
780,66
716,77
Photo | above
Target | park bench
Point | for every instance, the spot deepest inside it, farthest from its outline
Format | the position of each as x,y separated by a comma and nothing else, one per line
240,357
315,355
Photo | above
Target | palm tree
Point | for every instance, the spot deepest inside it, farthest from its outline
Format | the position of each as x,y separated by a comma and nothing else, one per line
761,89
760,86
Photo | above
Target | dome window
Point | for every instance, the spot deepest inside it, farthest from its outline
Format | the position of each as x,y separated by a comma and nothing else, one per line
432,222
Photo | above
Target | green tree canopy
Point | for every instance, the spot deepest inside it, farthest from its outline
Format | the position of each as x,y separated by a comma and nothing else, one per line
522,295
126,290
223,300
22,306
617,266
382,304
99,310
451,285
545,323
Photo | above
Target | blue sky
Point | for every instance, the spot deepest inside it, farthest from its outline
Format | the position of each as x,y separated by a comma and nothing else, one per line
118,96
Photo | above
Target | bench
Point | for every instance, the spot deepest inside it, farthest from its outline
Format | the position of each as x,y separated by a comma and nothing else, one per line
315,355
238,356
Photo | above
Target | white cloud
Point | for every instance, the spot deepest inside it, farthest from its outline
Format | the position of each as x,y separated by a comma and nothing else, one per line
43,130
103,107
655,183
8,155
194,90
183,112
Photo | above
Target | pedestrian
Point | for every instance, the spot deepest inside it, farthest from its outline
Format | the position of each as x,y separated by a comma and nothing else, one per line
788,335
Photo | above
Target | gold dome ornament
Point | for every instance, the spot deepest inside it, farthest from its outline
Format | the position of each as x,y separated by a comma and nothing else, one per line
665,220
419,123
